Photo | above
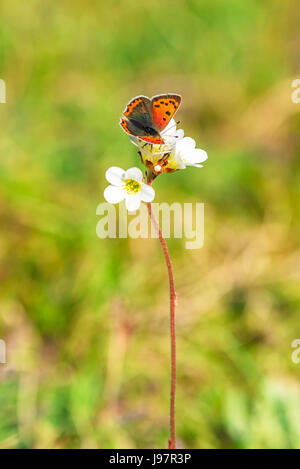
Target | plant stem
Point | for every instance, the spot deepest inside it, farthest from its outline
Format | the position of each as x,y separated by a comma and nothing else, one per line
172,440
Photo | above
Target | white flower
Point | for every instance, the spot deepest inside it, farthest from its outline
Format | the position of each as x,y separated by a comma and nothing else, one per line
153,152
182,154
186,154
177,151
171,134
127,185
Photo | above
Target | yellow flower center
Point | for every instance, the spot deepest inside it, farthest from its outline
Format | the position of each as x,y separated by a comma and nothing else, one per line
132,186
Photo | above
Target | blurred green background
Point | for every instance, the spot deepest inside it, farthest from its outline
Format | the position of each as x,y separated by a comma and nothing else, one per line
86,320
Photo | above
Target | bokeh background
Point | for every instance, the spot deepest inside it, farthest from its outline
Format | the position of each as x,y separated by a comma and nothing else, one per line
86,320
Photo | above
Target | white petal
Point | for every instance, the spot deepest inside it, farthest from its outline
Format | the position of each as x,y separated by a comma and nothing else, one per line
134,173
171,128
115,175
186,143
179,133
147,193
180,163
133,202
114,195
171,134
196,156
200,155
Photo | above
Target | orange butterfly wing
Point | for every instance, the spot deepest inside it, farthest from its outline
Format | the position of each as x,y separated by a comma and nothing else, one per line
156,140
164,107
123,123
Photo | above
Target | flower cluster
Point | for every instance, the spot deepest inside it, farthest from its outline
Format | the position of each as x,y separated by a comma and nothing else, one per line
177,152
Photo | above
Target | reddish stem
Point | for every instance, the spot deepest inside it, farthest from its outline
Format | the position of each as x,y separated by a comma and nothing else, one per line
172,440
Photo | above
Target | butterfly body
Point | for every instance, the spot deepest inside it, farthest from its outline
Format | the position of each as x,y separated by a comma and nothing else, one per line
146,118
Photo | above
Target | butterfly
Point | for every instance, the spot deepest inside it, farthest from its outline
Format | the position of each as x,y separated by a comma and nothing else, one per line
146,118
